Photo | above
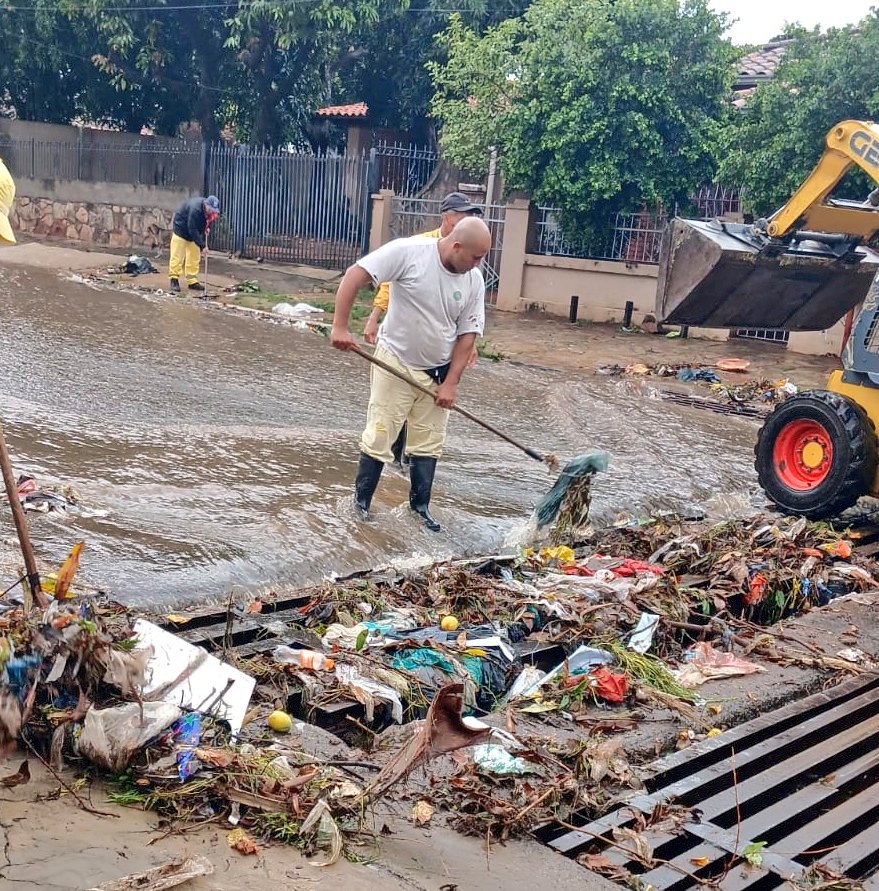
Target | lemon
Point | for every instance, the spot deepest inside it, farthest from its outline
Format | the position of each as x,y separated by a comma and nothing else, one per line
280,722
449,623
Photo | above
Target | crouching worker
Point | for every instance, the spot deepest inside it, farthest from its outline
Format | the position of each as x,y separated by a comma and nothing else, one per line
191,225
436,312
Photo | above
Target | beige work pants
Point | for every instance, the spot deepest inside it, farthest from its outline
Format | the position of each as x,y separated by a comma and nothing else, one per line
392,403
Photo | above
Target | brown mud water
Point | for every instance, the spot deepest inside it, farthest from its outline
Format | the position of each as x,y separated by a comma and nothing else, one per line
223,449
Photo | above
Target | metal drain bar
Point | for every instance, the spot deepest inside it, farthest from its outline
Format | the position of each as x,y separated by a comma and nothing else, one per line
803,779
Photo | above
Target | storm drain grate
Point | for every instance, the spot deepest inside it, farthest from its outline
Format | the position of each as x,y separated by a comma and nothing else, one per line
799,785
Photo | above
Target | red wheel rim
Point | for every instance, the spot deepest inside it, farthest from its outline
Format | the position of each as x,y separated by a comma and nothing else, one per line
802,455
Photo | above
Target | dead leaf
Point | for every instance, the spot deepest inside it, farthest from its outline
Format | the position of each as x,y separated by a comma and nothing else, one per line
605,725
596,861
251,716
422,811
19,778
602,864
254,608
635,844
240,841
461,641
511,720
605,758
68,571
221,758
700,861
176,619
326,833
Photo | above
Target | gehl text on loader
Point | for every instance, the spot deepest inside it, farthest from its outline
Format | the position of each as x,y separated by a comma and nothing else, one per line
802,269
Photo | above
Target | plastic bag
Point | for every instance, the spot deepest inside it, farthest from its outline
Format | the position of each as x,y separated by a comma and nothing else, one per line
288,309
367,691
112,736
497,760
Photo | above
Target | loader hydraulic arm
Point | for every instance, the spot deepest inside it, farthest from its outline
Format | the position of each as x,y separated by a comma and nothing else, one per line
849,143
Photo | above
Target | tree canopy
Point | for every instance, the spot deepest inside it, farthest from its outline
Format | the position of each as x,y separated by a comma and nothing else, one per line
593,107
386,67
262,66
770,146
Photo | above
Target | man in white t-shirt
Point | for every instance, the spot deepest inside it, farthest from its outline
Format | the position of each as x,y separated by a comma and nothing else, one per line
436,312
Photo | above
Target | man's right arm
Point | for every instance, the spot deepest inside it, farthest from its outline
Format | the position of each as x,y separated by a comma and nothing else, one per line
385,264
355,278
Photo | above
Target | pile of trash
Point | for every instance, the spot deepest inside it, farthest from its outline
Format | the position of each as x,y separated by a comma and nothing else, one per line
762,390
522,670
134,265
44,499
752,391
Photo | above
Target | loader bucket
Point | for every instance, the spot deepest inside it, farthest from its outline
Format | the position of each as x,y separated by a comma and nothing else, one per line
711,275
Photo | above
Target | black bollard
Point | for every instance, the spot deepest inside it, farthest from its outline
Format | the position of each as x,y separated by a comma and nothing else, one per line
572,312
627,314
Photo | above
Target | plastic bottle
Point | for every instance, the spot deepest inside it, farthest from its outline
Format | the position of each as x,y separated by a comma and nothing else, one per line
303,658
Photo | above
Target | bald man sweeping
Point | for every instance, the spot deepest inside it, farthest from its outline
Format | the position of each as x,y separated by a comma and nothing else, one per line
436,312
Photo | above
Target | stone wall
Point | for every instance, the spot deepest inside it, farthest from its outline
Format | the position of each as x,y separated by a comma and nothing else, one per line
113,225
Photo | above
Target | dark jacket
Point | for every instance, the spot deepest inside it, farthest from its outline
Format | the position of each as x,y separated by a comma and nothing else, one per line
190,221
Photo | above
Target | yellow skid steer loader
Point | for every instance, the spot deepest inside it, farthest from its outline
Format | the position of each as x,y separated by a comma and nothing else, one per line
802,269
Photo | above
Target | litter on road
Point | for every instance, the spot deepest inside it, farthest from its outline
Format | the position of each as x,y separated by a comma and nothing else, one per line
313,709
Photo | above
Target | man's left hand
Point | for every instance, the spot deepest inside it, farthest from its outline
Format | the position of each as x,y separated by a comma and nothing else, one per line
445,394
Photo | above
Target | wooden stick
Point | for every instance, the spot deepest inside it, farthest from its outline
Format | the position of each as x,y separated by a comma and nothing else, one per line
32,589
67,788
531,453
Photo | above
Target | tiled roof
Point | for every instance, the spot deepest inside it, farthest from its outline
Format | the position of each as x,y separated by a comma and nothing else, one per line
761,64
356,110
742,96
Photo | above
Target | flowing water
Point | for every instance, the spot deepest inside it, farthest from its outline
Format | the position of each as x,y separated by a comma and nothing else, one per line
223,448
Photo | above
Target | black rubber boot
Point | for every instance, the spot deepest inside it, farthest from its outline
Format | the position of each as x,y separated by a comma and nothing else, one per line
398,449
196,286
175,286
369,472
421,473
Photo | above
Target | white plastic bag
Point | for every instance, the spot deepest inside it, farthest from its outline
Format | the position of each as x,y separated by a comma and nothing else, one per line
112,736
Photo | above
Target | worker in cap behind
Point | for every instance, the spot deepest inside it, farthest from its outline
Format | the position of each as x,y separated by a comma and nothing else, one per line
7,196
192,222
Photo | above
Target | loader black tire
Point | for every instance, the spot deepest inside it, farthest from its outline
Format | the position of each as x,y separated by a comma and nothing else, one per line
842,478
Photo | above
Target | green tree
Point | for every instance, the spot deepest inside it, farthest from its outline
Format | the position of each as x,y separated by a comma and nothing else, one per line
594,107
45,74
288,54
770,146
386,66
258,64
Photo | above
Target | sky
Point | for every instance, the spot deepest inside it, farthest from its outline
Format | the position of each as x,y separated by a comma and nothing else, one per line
761,20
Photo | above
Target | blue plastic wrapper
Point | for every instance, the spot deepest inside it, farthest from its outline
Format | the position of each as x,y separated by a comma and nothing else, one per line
187,734
15,674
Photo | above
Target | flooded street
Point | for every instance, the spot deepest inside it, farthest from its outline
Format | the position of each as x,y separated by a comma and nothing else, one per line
223,449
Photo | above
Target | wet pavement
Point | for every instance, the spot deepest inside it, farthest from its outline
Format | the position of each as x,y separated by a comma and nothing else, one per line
224,448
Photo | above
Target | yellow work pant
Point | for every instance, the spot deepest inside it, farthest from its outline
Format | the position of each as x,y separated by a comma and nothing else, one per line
184,255
392,403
